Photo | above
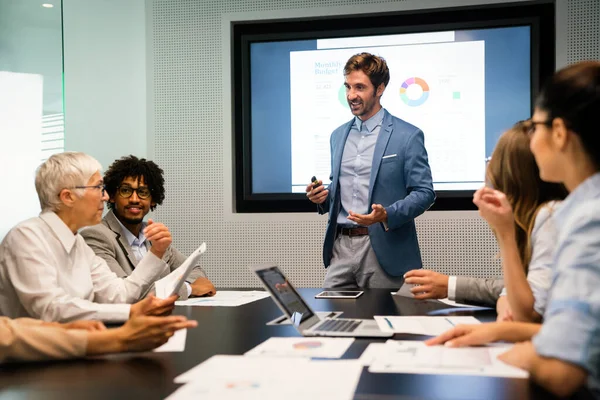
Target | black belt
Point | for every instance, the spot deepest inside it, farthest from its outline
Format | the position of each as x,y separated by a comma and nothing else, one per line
358,231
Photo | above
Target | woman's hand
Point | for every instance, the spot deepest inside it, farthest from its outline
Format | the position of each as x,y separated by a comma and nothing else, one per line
496,210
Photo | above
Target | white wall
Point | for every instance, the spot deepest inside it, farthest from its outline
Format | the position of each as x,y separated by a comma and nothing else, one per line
105,78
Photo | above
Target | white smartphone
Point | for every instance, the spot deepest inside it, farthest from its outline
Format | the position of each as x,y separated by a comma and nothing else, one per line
339,294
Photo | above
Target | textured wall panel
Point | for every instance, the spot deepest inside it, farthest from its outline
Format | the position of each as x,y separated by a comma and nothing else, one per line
583,35
186,51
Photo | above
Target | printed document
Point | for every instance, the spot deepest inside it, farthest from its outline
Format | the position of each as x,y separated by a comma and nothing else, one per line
171,283
431,326
302,347
225,298
241,377
413,357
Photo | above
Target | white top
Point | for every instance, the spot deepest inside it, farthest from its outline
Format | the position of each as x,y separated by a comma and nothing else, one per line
572,319
452,287
49,273
544,237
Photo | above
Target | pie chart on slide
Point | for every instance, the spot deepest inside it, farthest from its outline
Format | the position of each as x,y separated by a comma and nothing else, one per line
414,92
342,97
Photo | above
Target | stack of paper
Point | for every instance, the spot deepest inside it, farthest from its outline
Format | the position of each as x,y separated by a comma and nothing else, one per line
413,357
431,326
239,377
225,298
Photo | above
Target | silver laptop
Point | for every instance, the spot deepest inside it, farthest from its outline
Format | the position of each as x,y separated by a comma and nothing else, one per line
303,318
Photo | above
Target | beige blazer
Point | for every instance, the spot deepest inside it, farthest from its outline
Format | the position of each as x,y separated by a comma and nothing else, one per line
26,339
107,242
483,291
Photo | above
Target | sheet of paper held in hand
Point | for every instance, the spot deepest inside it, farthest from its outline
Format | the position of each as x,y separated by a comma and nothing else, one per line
431,326
414,357
171,283
226,298
175,344
264,378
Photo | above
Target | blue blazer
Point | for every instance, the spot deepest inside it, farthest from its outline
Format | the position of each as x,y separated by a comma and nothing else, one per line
401,182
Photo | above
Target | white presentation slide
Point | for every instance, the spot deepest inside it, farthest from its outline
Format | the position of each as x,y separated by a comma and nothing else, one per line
438,87
21,148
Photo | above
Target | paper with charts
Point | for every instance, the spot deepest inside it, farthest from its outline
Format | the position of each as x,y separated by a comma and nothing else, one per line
414,357
431,326
225,298
240,377
302,347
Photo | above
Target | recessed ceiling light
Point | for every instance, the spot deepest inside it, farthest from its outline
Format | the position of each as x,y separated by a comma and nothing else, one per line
47,5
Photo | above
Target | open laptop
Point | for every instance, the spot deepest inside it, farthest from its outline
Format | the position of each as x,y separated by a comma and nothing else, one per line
303,317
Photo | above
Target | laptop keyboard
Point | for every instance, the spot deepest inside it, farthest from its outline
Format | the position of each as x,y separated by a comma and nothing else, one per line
339,325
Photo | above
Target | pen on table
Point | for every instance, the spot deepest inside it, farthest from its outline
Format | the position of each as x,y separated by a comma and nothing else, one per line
451,323
331,315
388,322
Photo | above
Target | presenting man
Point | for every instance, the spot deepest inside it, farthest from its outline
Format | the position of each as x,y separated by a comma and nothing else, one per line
380,182
135,187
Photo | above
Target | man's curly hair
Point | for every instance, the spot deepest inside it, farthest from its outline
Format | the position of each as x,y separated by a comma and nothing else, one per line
134,167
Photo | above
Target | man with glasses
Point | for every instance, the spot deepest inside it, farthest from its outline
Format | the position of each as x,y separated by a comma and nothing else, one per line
48,272
135,187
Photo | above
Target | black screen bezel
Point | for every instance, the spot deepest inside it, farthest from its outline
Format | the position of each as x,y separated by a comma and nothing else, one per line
539,15
262,271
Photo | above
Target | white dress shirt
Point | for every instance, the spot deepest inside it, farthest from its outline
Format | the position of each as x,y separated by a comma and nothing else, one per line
49,273
572,318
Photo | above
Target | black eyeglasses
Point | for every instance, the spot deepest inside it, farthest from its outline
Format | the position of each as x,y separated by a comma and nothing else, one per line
530,126
127,191
101,187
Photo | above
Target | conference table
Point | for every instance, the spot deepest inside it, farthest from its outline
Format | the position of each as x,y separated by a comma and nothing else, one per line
235,330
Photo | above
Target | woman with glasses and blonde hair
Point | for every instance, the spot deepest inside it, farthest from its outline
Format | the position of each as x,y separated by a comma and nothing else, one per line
48,272
562,353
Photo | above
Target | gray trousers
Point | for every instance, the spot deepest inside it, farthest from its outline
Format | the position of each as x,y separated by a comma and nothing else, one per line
354,265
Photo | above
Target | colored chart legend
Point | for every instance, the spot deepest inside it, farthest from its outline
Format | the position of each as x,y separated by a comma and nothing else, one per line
408,86
315,344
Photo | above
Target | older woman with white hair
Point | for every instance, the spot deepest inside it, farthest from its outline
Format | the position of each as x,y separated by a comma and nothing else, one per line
48,272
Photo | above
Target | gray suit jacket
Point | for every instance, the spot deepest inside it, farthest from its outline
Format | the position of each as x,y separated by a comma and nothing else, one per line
107,241
478,290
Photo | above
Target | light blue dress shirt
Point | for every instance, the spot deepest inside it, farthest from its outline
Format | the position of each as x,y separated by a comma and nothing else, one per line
355,170
137,244
571,328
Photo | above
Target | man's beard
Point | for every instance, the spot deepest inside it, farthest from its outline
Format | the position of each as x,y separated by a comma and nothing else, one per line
132,221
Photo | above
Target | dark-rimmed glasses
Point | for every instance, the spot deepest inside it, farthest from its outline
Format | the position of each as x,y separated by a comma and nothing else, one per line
125,191
530,126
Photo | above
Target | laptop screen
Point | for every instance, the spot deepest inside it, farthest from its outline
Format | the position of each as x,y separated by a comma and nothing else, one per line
286,294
